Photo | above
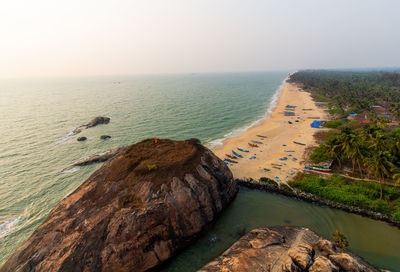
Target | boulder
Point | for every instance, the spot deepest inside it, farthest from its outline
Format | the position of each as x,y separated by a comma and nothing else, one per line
326,247
323,264
105,137
98,121
276,249
302,255
81,139
347,262
128,218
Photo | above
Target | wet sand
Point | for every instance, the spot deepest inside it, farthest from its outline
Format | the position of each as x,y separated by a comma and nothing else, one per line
280,135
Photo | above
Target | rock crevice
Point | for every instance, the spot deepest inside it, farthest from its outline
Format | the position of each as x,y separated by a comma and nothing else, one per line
288,249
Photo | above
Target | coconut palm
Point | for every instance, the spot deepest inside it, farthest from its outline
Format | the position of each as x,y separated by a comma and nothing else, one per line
356,153
396,176
379,165
334,148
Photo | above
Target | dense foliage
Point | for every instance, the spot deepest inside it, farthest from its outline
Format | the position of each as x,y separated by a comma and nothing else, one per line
353,92
372,149
362,194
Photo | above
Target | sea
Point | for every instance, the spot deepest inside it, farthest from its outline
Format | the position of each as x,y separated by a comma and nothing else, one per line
37,144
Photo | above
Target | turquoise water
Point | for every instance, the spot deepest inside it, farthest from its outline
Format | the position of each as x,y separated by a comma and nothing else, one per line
37,117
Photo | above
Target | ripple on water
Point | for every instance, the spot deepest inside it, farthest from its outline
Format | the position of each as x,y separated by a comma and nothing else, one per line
9,226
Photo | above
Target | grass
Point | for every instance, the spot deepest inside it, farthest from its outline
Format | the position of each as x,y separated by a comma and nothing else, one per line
355,193
333,124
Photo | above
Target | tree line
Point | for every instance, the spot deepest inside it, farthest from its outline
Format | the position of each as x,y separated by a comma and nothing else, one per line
372,150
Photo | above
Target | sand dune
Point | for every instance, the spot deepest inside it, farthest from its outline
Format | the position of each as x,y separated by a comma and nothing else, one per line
280,136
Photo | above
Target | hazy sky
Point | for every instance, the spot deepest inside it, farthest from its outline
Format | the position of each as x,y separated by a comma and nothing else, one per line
96,37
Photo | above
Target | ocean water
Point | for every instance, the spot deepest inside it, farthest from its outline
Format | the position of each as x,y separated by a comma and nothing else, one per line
38,116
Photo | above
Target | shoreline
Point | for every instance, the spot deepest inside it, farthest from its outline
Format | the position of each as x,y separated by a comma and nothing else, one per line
276,152
239,131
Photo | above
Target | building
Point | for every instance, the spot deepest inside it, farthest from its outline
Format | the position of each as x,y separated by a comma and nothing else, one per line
362,118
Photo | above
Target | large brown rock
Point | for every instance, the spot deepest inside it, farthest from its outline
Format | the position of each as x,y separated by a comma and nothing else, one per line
348,263
128,216
288,249
323,264
326,247
302,255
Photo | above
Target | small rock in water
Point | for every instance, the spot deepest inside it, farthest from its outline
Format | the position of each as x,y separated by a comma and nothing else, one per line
81,139
105,137
77,131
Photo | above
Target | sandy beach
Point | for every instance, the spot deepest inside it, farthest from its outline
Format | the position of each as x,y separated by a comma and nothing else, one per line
278,143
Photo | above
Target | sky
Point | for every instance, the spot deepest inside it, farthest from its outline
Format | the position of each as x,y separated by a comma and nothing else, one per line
111,37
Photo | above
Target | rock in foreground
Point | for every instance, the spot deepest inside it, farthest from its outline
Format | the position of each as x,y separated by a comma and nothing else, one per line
130,215
289,249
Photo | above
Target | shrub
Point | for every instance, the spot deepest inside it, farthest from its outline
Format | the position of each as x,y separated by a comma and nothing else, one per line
340,239
320,154
396,216
380,205
356,193
152,167
333,124
269,181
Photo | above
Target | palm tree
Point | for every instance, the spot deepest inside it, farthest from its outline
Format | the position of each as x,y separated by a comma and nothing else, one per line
334,149
351,147
356,153
396,176
379,165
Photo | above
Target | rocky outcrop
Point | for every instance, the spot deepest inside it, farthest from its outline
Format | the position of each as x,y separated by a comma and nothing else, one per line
129,216
322,264
81,139
98,158
289,249
99,120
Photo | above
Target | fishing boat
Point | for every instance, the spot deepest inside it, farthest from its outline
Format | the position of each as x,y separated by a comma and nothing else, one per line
266,170
253,145
319,169
231,161
298,143
243,150
237,154
230,156
261,136
256,142
252,157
